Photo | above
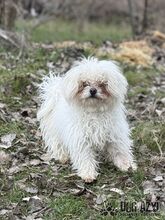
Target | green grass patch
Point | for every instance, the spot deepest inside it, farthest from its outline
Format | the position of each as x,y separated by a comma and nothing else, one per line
138,90
138,177
142,77
68,207
160,94
16,194
17,80
62,30
10,127
151,134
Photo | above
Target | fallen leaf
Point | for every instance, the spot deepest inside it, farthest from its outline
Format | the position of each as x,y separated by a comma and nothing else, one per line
14,169
158,178
2,105
163,100
6,140
78,192
35,204
4,157
158,112
148,187
100,199
119,191
26,199
31,190
4,211
70,175
35,162
46,157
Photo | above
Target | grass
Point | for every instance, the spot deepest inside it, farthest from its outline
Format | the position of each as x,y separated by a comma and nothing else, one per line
159,94
143,76
151,134
68,207
17,78
16,195
60,30
10,127
138,90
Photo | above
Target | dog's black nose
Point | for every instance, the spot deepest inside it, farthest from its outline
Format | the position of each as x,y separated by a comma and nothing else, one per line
93,92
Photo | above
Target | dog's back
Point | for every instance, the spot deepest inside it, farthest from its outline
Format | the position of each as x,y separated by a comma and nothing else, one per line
49,93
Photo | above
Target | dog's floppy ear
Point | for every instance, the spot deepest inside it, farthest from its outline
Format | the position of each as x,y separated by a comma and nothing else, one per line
70,85
117,83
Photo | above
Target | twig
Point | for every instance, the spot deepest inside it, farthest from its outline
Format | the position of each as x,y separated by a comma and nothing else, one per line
158,145
5,35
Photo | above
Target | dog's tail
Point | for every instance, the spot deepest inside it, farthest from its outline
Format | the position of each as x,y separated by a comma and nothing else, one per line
49,92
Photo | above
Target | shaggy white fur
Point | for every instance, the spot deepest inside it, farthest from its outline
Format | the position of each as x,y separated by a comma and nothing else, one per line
82,113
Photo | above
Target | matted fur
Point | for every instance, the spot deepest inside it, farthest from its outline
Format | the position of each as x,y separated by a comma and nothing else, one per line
77,126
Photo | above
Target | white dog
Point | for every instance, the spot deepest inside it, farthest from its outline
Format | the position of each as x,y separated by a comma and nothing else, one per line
82,114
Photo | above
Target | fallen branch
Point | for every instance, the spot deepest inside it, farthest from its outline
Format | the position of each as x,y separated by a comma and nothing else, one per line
14,39
8,36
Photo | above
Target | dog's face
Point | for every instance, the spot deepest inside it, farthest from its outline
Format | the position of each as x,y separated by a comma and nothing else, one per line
94,84
93,90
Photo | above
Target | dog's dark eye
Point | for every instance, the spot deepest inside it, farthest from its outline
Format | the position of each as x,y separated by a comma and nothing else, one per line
101,85
85,84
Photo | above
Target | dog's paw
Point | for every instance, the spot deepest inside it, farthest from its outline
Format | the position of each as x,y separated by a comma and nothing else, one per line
133,166
64,159
89,180
124,163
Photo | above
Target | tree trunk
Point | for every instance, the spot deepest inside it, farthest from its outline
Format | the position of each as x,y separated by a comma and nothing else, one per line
8,13
134,20
145,16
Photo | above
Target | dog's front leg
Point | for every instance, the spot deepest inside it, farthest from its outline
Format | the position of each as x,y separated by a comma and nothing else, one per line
83,160
121,155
